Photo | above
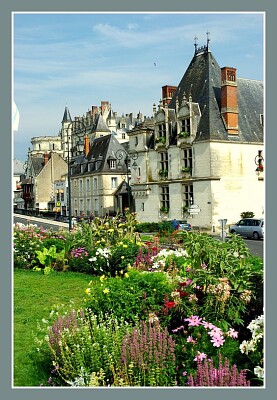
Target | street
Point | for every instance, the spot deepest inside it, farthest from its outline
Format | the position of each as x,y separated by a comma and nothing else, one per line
45,223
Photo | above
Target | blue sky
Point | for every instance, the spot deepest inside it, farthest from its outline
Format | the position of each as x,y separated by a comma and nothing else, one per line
78,60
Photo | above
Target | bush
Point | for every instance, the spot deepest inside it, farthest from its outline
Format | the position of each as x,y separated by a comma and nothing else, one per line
222,278
247,214
83,345
133,295
161,227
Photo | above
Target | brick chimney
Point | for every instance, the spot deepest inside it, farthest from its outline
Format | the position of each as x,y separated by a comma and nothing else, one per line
104,105
229,99
46,158
167,94
86,145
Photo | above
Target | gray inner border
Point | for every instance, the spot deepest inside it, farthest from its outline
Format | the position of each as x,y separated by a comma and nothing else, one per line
6,166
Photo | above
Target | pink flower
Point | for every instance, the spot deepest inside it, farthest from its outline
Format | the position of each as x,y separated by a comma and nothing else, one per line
200,356
208,325
232,333
190,339
184,373
193,320
217,341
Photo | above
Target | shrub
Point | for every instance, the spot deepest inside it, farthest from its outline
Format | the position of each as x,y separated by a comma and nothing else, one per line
221,276
247,214
123,254
82,344
133,295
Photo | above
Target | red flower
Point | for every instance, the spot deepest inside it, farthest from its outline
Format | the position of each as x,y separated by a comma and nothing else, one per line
183,284
181,293
170,304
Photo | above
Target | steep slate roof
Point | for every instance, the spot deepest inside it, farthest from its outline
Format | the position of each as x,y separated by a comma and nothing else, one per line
37,164
202,80
102,150
100,125
66,115
18,168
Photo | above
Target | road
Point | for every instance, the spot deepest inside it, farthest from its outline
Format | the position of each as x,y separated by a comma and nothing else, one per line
45,223
256,247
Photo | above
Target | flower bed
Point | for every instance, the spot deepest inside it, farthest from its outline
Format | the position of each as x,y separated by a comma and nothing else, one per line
153,316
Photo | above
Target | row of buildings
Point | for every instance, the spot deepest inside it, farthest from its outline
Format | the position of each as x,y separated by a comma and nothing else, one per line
199,157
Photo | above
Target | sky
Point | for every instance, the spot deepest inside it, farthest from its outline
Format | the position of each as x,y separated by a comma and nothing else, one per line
80,59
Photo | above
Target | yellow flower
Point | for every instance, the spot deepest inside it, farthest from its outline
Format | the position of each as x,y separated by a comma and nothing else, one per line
122,257
154,290
87,291
121,271
126,275
106,290
102,277
125,245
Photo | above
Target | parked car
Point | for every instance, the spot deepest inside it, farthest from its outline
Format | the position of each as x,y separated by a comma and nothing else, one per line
180,225
184,226
249,227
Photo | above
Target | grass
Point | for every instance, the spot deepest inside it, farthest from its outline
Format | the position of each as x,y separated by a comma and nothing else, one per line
34,296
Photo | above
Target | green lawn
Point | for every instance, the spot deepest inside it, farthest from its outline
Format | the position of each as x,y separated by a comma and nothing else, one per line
34,295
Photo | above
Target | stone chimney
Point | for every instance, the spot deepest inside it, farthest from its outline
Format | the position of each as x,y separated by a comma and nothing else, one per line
229,99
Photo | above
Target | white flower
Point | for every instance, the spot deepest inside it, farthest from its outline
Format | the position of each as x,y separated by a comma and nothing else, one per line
259,372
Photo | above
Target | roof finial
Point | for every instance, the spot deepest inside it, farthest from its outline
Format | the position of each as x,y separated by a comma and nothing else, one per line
195,42
208,39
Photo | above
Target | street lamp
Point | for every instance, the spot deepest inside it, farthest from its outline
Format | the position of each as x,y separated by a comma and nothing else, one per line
79,147
259,162
120,155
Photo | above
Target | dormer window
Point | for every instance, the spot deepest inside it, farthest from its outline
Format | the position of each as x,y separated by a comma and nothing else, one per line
112,164
161,130
185,125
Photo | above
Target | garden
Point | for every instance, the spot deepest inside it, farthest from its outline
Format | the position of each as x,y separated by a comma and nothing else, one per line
105,306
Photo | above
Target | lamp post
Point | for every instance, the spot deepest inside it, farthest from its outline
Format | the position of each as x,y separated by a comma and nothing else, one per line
79,146
120,155
259,162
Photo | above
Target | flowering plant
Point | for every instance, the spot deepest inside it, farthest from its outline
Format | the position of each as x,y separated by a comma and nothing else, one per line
166,259
253,348
198,339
